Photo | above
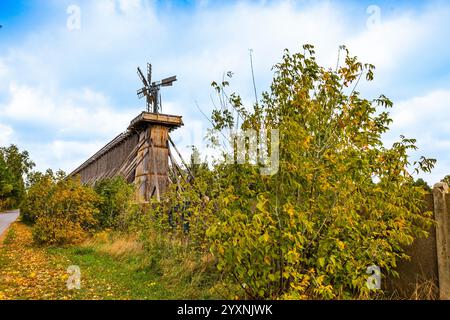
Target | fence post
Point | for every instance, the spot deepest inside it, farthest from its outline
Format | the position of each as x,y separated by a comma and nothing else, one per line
442,238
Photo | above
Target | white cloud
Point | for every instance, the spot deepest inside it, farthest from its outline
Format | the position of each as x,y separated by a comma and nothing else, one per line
6,133
85,116
430,112
427,119
386,44
408,49
72,112
72,82
61,154
130,6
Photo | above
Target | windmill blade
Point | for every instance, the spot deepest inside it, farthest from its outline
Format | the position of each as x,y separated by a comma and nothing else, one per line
141,75
149,73
151,89
142,92
168,81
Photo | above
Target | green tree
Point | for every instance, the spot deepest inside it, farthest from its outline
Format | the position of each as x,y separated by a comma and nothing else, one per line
6,182
446,179
340,201
116,201
422,183
14,166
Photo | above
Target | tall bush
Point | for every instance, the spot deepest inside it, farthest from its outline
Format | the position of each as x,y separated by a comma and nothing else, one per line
63,210
38,198
116,201
341,201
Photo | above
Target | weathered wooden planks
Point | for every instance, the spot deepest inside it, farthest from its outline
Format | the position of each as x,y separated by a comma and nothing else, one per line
140,154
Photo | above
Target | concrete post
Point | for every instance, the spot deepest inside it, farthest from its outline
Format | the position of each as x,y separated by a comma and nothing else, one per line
442,238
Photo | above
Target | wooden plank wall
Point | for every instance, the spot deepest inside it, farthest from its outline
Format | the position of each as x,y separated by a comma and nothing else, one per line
141,155
108,164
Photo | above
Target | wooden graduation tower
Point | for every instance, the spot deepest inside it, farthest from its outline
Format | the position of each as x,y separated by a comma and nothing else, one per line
140,154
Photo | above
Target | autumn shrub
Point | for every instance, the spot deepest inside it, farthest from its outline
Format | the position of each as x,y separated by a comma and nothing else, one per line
338,202
63,210
38,195
116,202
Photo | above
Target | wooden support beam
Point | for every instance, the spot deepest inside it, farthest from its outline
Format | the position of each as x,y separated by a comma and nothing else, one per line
155,172
181,157
176,165
132,155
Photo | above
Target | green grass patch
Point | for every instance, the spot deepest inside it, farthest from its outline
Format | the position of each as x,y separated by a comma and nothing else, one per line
10,236
113,266
136,276
104,277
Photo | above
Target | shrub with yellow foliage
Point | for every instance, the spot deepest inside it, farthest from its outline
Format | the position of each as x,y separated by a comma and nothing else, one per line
62,209
340,200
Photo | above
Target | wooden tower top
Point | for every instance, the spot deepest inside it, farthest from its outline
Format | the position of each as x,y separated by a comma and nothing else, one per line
146,118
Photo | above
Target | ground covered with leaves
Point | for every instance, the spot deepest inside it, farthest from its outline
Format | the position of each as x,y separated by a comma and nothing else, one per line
28,271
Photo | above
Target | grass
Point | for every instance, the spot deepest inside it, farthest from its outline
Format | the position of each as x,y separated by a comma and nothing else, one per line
425,290
112,267
10,236
104,277
116,266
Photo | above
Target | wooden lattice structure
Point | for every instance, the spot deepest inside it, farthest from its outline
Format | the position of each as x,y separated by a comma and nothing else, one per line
141,155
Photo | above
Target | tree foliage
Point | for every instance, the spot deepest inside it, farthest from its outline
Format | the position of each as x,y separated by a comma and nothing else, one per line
446,179
62,209
14,166
340,201
38,198
116,201
422,183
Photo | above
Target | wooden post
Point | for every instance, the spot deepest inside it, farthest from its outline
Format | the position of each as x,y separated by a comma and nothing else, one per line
442,238
140,177
152,173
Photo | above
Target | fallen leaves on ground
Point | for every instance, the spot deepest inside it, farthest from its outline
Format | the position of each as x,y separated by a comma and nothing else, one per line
30,272
26,272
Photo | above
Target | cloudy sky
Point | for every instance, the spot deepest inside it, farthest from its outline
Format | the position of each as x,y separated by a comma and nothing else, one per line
68,68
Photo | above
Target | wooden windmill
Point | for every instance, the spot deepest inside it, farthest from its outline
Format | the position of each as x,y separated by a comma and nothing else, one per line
141,154
151,89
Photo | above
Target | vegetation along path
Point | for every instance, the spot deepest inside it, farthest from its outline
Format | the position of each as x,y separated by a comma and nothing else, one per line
28,271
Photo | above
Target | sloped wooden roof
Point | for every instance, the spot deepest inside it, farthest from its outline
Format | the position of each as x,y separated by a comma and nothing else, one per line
135,126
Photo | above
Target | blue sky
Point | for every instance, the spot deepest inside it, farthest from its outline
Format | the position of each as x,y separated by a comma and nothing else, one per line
65,92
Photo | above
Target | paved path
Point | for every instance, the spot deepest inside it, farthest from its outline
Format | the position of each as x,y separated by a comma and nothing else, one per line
7,218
